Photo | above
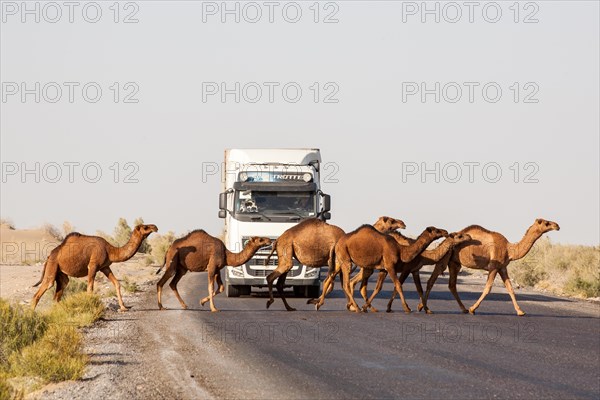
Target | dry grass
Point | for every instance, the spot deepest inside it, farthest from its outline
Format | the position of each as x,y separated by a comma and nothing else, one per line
45,345
160,245
561,269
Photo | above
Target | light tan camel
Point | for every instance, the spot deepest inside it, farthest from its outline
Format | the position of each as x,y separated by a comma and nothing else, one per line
492,252
311,242
80,255
427,257
198,251
370,249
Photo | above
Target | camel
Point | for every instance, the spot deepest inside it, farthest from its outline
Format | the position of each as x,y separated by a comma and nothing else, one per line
370,249
311,242
490,251
81,255
198,251
427,257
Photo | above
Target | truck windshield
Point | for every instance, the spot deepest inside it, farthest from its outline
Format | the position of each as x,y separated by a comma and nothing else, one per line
251,202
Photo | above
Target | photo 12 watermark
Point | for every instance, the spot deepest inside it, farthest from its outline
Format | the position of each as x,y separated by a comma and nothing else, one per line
56,12
69,172
69,92
471,12
253,12
328,171
270,332
469,92
269,92
469,332
469,172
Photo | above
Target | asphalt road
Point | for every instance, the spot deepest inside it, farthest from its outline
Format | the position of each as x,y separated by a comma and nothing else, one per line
246,351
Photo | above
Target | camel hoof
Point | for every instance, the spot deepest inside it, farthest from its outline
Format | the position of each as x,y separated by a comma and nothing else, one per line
428,311
184,307
373,309
311,301
161,308
419,307
215,310
471,310
203,302
123,309
389,310
317,306
269,302
464,311
407,311
291,309
520,313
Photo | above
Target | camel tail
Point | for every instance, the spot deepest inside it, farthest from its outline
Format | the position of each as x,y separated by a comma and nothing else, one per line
42,277
273,247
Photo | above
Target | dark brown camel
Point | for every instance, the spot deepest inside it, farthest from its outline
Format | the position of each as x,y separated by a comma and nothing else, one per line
80,255
492,252
370,249
198,251
311,242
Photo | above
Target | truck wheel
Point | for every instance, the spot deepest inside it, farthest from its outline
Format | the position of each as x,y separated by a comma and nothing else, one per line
245,290
300,291
232,290
313,291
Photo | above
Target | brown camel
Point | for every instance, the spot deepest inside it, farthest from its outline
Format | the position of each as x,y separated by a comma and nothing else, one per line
80,255
490,251
427,257
198,251
370,249
311,242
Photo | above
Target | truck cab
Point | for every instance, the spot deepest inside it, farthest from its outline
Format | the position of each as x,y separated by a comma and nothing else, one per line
266,192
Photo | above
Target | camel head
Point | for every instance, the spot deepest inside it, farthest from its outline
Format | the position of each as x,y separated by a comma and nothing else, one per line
388,224
458,237
436,233
543,226
258,242
145,230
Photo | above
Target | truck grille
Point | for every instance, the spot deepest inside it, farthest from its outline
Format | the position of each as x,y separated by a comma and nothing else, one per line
259,261
264,272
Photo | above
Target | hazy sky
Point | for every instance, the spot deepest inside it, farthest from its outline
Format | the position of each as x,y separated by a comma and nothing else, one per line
377,135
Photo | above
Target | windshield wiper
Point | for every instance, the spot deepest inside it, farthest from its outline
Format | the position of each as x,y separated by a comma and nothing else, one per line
259,215
296,215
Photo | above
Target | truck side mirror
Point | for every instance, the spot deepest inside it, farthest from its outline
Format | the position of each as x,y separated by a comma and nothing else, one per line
222,202
326,202
222,213
326,215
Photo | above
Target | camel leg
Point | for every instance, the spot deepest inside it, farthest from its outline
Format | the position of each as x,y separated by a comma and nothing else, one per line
346,285
327,288
62,280
363,288
392,273
504,275
179,273
167,275
402,278
486,290
279,285
362,276
212,276
216,291
111,277
454,270
378,286
92,270
439,269
50,272
417,279
279,273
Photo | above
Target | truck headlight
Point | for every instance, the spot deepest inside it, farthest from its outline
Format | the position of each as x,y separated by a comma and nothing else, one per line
237,272
311,272
307,177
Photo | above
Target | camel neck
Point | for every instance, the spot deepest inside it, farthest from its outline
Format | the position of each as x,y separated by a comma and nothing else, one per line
519,250
408,253
236,259
124,253
439,252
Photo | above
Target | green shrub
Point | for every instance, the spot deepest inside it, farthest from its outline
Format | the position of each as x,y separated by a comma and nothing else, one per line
80,309
160,245
55,357
20,327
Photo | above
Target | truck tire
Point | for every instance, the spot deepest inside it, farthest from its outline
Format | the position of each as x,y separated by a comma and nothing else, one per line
300,291
245,290
232,290
313,291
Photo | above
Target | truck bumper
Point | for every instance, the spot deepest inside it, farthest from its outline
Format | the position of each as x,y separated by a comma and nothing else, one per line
262,282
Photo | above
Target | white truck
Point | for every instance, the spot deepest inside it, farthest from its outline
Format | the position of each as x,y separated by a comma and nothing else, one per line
265,192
